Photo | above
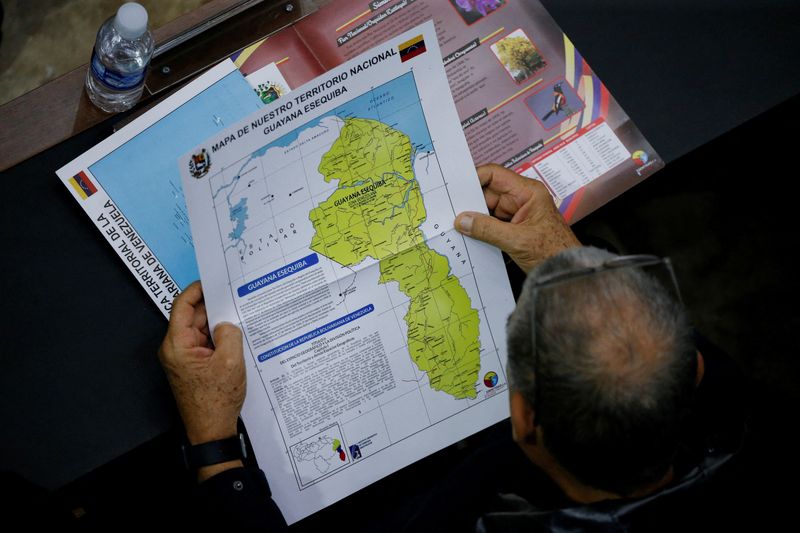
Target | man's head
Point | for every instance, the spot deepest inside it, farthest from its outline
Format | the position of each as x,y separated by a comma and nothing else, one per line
602,368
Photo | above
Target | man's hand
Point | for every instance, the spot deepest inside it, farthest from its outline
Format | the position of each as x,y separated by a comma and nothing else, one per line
525,224
208,381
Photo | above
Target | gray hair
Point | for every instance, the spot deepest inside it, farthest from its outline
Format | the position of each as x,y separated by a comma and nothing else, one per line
616,366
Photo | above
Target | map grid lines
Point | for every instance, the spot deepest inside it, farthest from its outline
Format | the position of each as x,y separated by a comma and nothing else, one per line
394,305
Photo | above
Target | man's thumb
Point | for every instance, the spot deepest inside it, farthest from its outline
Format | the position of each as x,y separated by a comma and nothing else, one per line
487,229
227,338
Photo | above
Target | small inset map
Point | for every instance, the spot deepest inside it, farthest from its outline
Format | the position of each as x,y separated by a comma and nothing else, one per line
319,455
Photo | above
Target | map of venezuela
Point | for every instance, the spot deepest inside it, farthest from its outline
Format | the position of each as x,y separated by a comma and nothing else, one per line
376,211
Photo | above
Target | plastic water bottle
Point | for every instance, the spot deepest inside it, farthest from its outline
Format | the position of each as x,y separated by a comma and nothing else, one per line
122,51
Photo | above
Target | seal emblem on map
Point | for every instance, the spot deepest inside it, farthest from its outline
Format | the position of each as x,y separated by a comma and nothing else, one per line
270,91
200,164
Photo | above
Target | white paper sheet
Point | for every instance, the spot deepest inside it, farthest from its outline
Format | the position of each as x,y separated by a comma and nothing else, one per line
374,332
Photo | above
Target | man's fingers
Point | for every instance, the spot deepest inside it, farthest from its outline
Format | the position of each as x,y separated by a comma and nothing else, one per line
490,174
505,188
200,319
182,314
228,339
500,179
489,229
191,294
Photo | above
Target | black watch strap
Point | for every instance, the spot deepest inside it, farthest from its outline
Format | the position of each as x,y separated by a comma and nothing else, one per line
214,452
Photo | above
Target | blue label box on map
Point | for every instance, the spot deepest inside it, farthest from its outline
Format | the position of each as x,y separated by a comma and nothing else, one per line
277,275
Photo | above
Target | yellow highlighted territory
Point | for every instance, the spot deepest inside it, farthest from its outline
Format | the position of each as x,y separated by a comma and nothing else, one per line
376,211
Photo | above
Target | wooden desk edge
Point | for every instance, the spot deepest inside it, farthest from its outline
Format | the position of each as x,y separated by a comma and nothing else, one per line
60,109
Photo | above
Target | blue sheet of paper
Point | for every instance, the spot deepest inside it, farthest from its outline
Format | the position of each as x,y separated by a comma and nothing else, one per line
143,179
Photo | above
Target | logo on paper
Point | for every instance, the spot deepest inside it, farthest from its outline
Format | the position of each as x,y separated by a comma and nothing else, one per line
269,92
412,48
642,161
200,164
490,380
337,447
355,452
82,185
640,158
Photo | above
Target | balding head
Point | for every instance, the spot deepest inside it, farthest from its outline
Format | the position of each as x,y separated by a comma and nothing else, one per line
616,368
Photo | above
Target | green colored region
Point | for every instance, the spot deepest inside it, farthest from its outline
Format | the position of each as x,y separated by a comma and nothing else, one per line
336,445
442,325
376,211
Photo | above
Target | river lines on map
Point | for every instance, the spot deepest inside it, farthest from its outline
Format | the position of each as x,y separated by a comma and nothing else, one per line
349,186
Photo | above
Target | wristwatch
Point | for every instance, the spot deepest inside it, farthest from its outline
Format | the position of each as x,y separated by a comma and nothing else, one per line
214,452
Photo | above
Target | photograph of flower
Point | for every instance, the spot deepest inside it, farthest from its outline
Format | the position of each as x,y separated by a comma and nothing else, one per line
474,10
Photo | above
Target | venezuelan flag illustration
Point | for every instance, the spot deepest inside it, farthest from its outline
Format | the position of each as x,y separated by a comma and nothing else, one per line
82,185
412,48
